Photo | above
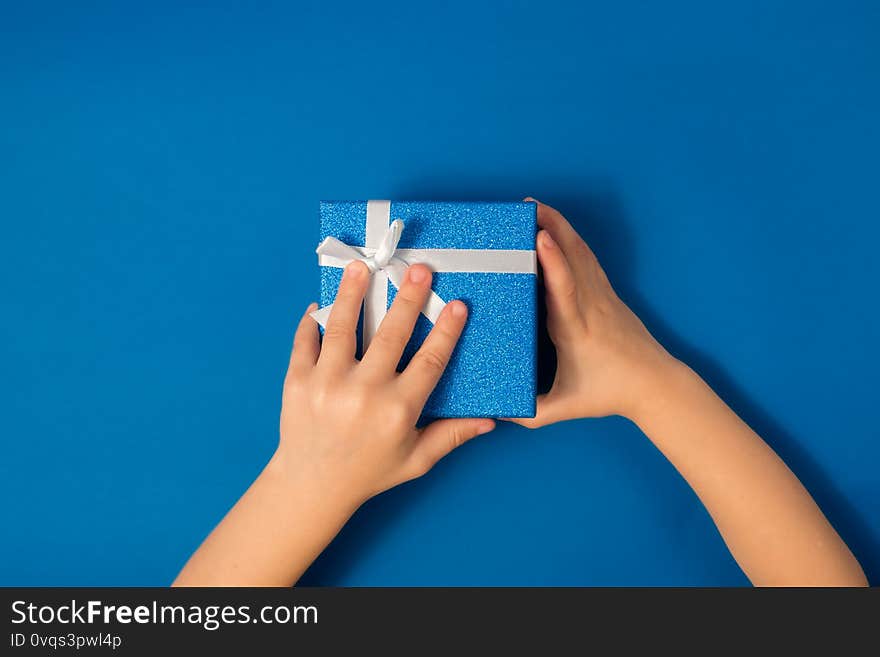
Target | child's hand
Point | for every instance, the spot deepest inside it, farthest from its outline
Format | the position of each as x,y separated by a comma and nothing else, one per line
607,362
347,433
348,426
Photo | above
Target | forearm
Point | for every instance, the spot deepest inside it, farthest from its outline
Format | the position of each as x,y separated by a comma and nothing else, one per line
773,528
272,535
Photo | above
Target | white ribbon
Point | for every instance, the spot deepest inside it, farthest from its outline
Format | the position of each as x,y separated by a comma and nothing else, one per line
388,263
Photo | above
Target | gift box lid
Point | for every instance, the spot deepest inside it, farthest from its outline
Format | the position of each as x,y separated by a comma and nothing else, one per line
492,372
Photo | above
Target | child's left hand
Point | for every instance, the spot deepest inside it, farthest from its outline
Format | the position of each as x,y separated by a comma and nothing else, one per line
349,425
348,432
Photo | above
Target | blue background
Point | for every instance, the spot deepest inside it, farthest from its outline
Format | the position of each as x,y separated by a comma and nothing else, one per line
160,172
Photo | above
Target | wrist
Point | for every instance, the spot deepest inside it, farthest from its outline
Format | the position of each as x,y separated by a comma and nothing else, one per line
329,495
659,385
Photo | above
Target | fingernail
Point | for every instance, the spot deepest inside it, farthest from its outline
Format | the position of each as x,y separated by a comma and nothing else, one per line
354,270
485,427
312,307
458,309
529,199
546,240
416,274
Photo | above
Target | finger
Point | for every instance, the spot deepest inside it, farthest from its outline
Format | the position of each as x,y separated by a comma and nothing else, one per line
560,284
426,367
340,340
396,328
550,409
306,343
442,436
571,243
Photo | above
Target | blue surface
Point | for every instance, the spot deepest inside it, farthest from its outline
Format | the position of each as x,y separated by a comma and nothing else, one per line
492,372
159,174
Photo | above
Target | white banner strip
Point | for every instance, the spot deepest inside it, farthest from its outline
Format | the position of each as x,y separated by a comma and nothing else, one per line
378,220
474,261
376,300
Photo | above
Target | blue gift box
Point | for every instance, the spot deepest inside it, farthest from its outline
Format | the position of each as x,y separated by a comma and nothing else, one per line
492,372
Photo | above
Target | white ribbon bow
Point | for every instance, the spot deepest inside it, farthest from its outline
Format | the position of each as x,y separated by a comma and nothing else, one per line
388,263
384,266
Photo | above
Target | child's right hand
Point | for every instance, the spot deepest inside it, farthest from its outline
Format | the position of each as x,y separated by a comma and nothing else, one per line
607,362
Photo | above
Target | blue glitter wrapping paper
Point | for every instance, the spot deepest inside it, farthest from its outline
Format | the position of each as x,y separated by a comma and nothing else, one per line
492,372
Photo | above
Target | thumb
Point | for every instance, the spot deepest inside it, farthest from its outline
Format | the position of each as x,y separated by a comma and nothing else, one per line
442,436
551,408
559,281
